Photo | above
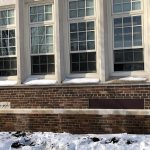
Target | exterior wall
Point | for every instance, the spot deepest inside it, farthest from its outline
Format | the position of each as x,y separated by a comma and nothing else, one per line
7,2
78,124
103,20
75,96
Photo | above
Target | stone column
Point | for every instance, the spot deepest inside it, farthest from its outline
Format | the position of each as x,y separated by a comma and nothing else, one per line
20,40
59,47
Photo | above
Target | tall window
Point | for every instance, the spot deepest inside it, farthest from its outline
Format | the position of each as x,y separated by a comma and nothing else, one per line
82,36
128,43
8,61
42,42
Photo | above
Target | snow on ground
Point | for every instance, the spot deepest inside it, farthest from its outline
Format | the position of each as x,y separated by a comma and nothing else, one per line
8,83
133,79
80,80
38,81
66,141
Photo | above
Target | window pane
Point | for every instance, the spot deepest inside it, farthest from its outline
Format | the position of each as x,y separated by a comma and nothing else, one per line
118,56
11,21
5,33
43,64
139,66
83,62
89,3
92,56
8,66
118,22
42,49
11,13
4,14
12,42
90,25
132,32
82,36
81,12
137,39
82,45
11,33
128,60
125,5
49,39
117,8
7,42
81,8
91,45
40,17
73,5
91,35
41,13
74,46
41,30
40,9
138,55
48,8
74,37
89,11
75,57
128,56
73,13
136,5
48,16
82,26
12,51
49,30
81,4
33,18
73,27
7,17
34,49
41,37
33,10
50,48
83,67
127,21
137,20
128,40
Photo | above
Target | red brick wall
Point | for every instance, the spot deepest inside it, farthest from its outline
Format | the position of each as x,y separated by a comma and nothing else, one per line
71,96
75,123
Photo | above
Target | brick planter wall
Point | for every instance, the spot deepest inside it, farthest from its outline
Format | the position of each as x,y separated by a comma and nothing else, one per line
75,123
83,97
79,96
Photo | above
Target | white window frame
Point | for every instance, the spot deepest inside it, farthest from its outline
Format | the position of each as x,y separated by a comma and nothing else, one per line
77,20
10,27
110,20
36,24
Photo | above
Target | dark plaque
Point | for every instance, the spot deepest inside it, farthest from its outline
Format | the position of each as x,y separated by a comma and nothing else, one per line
116,103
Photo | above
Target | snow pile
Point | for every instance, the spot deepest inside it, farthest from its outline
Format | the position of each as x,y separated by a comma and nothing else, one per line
38,81
133,79
80,80
8,83
66,141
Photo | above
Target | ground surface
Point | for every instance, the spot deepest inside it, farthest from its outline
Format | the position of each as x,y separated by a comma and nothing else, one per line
65,141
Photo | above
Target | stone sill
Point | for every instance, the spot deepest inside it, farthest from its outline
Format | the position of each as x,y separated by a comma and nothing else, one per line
123,112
